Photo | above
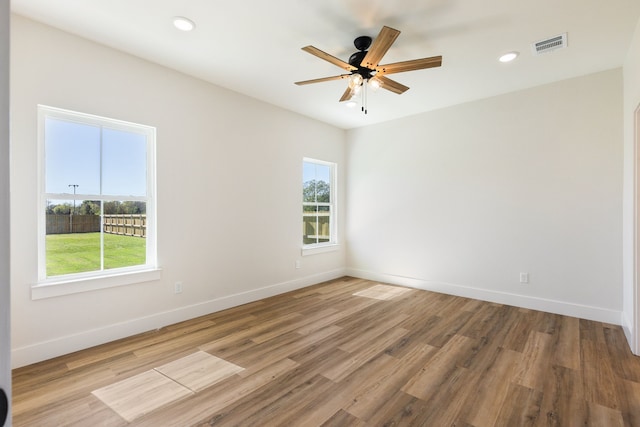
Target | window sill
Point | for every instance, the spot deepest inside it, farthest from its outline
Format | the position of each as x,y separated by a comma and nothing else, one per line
330,247
59,287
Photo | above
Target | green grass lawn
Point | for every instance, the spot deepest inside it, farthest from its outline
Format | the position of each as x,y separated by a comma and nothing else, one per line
80,252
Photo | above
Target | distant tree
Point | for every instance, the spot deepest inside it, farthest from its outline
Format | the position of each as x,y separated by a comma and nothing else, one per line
134,207
89,207
120,208
111,208
316,191
63,209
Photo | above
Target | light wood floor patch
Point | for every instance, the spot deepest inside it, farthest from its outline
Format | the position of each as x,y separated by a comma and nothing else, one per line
141,394
382,292
199,370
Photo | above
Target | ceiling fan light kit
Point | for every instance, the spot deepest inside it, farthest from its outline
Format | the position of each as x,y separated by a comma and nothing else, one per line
364,66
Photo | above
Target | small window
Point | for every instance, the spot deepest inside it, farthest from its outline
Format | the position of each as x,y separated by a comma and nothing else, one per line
97,206
318,203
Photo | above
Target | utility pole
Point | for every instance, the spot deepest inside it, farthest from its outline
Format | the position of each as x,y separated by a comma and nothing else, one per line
74,206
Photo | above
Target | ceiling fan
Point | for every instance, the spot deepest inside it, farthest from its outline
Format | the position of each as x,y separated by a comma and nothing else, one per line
364,67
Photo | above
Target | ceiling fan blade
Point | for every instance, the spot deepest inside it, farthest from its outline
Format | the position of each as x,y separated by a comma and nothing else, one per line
347,94
329,58
415,64
379,47
323,79
392,85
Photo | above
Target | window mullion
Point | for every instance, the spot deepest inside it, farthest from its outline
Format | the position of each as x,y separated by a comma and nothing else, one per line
102,202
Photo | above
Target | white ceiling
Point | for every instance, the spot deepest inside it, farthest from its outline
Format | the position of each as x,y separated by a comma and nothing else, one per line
253,47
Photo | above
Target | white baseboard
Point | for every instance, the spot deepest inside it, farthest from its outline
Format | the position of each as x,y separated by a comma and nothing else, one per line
627,327
68,344
524,301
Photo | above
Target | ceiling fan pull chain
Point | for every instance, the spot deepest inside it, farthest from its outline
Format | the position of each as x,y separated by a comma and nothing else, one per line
366,98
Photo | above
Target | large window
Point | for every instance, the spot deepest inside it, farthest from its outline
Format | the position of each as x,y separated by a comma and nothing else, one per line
97,207
318,203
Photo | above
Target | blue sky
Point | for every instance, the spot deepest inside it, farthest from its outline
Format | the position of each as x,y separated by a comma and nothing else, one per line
73,156
315,171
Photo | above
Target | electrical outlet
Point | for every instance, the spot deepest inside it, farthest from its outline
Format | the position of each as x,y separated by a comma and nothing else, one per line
524,277
177,288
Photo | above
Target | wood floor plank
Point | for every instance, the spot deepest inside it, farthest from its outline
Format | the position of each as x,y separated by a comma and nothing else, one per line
597,375
259,357
343,418
387,381
439,369
374,330
293,326
567,343
518,330
537,357
629,397
623,362
520,408
340,370
322,407
602,416
493,387
335,318
563,402
323,356
51,392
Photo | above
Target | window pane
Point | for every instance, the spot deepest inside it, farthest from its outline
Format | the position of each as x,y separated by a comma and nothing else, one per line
125,230
72,241
309,224
323,191
124,163
316,180
324,217
72,157
309,191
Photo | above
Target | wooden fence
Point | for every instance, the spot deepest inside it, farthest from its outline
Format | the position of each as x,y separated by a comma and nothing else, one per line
315,227
126,225
64,224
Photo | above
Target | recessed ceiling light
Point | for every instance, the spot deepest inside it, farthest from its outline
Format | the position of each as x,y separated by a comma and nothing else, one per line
183,24
508,57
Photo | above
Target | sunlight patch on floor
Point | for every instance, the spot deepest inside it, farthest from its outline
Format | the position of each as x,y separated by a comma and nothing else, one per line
382,292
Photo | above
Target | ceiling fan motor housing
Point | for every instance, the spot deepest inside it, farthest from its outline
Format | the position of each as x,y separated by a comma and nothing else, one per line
356,60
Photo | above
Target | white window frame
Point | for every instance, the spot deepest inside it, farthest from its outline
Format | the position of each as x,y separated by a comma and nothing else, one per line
332,244
88,281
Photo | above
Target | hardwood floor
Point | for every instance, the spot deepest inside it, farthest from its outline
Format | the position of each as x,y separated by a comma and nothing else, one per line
322,356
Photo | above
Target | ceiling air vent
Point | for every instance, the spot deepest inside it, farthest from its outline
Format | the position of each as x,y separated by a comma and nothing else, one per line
547,45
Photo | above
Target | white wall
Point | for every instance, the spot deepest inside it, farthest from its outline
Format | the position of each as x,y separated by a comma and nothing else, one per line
631,320
5,339
229,192
463,199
